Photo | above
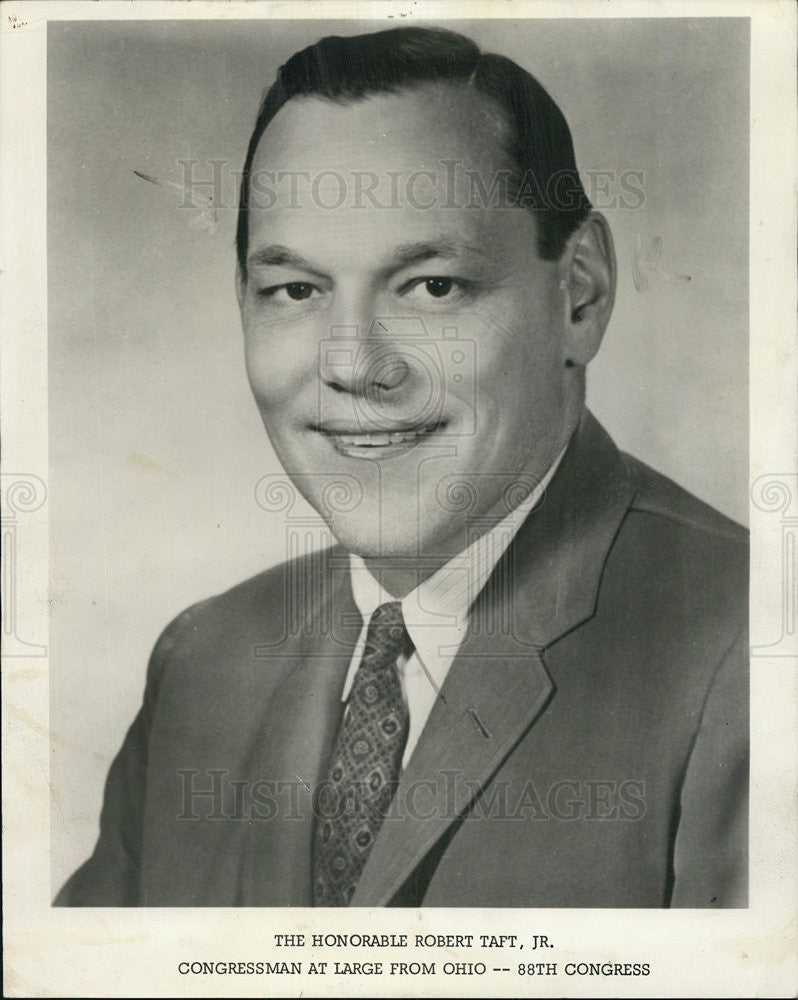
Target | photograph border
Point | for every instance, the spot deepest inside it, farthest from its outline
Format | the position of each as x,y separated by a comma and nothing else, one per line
746,952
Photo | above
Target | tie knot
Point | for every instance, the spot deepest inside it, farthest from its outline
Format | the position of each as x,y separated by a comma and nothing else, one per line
388,615
387,635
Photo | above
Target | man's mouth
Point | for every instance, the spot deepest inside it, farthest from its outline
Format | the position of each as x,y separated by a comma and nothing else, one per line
378,443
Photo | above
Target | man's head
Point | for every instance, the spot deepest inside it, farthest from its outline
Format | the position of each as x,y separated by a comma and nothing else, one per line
421,284
537,141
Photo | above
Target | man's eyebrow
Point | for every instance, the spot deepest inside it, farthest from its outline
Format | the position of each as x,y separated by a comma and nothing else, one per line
405,255
280,256
416,253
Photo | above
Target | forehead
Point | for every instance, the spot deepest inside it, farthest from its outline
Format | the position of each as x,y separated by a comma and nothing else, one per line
360,178
407,130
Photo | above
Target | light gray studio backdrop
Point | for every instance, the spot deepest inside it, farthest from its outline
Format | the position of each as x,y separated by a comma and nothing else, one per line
155,443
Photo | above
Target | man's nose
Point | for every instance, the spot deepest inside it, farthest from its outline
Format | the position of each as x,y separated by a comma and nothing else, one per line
365,361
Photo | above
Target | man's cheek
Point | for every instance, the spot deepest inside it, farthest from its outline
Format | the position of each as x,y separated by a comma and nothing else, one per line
262,382
277,370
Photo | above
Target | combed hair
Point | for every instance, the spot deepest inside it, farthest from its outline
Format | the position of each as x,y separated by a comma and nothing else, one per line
351,69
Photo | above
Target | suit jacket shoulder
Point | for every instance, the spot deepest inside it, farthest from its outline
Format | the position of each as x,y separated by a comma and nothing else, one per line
657,495
696,551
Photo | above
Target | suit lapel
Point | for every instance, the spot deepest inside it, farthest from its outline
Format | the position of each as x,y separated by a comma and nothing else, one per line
299,729
545,585
557,560
490,698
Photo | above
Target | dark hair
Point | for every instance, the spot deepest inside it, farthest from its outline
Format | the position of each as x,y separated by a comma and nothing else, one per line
351,69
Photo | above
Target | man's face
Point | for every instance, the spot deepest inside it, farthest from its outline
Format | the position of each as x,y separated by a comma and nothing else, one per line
402,339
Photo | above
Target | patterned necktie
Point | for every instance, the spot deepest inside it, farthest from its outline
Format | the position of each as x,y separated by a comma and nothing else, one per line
365,762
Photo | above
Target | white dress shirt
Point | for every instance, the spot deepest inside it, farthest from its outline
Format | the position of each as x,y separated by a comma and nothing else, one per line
436,612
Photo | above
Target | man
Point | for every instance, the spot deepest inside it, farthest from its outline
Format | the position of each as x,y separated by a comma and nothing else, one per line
520,677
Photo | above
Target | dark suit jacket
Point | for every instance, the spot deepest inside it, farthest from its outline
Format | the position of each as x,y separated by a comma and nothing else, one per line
589,747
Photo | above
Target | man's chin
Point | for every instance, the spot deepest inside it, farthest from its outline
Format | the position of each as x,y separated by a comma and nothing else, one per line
375,547
401,544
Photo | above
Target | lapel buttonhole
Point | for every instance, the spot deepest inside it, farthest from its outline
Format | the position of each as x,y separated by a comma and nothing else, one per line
479,723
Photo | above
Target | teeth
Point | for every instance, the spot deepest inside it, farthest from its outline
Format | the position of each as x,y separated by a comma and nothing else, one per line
379,439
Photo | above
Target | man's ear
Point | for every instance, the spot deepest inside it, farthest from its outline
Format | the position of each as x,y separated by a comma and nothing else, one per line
589,280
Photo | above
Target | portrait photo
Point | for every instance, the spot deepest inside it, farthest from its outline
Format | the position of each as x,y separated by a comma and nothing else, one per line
398,442
399,498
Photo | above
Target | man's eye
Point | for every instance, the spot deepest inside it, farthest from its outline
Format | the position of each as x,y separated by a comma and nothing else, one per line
296,291
436,288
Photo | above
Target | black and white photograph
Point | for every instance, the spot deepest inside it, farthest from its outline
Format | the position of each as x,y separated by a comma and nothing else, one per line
411,499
